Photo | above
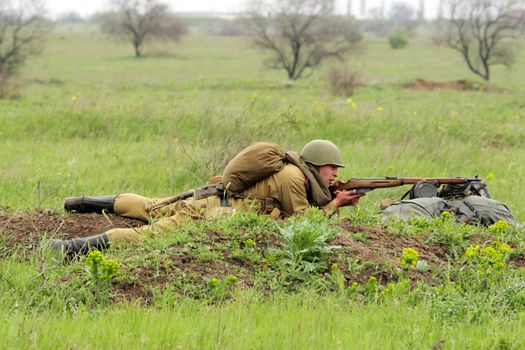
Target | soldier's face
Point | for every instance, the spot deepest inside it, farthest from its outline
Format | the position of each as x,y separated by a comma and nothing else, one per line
328,173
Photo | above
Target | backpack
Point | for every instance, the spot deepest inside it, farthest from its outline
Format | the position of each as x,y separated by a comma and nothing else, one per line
253,164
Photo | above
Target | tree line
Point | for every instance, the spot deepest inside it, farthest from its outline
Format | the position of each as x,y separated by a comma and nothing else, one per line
296,35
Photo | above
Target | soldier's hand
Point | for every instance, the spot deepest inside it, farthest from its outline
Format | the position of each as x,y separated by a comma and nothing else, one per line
346,198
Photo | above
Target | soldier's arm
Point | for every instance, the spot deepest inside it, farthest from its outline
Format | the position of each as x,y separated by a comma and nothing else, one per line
293,193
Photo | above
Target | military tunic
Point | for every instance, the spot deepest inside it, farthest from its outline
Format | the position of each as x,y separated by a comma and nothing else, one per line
280,195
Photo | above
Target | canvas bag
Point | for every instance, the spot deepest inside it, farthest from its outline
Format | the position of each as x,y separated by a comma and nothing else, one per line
253,164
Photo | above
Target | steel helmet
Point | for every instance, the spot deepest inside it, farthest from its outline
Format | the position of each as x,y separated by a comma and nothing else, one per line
322,152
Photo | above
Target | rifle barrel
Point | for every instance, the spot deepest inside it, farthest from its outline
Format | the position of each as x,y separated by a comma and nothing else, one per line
385,182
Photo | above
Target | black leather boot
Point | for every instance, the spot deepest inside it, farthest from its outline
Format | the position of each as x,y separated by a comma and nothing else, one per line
86,204
80,246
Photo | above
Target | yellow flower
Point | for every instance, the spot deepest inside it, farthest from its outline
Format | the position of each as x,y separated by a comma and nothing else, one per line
499,227
410,257
446,216
472,251
490,176
504,248
380,109
74,98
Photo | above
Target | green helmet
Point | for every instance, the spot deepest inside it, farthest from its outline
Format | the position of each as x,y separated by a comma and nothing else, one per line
322,152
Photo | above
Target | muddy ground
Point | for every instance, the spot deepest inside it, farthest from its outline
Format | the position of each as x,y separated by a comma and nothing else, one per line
180,263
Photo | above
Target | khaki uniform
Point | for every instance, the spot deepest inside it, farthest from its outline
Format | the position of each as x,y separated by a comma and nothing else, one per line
280,195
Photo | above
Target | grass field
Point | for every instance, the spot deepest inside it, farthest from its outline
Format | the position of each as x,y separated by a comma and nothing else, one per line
92,119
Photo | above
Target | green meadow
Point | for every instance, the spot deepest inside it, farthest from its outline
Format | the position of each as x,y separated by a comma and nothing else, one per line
92,119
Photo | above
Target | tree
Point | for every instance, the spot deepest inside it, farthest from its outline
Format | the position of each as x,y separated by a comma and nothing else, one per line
401,12
480,31
22,34
301,34
141,20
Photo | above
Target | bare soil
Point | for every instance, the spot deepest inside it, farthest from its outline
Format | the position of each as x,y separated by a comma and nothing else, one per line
460,85
28,228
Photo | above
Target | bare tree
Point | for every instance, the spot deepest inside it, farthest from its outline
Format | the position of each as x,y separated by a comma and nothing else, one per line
440,10
363,7
140,20
301,34
480,31
22,34
421,11
401,12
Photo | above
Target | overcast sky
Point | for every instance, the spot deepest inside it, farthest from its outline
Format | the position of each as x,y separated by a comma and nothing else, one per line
88,7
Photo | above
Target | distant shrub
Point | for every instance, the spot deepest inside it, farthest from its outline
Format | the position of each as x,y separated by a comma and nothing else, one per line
235,27
397,41
343,82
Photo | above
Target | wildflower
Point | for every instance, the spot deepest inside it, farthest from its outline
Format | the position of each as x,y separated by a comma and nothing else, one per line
380,109
354,105
231,279
74,98
109,268
488,251
94,257
254,97
410,257
490,176
499,227
414,113
335,267
446,216
504,248
349,101
250,243
214,282
353,288
371,284
472,251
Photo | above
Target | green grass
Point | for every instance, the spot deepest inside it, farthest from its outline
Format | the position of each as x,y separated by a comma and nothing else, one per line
163,123
296,322
154,125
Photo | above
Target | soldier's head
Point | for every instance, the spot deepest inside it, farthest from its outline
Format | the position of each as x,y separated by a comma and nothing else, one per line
325,156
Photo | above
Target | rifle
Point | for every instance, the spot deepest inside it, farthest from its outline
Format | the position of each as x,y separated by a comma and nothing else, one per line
205,191
422,187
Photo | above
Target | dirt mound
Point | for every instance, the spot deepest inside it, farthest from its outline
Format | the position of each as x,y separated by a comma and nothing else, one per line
381,248
188,265
25,229
461,85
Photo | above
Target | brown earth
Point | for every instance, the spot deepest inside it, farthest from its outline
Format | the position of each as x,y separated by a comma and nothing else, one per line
372,247
461,85
26,229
